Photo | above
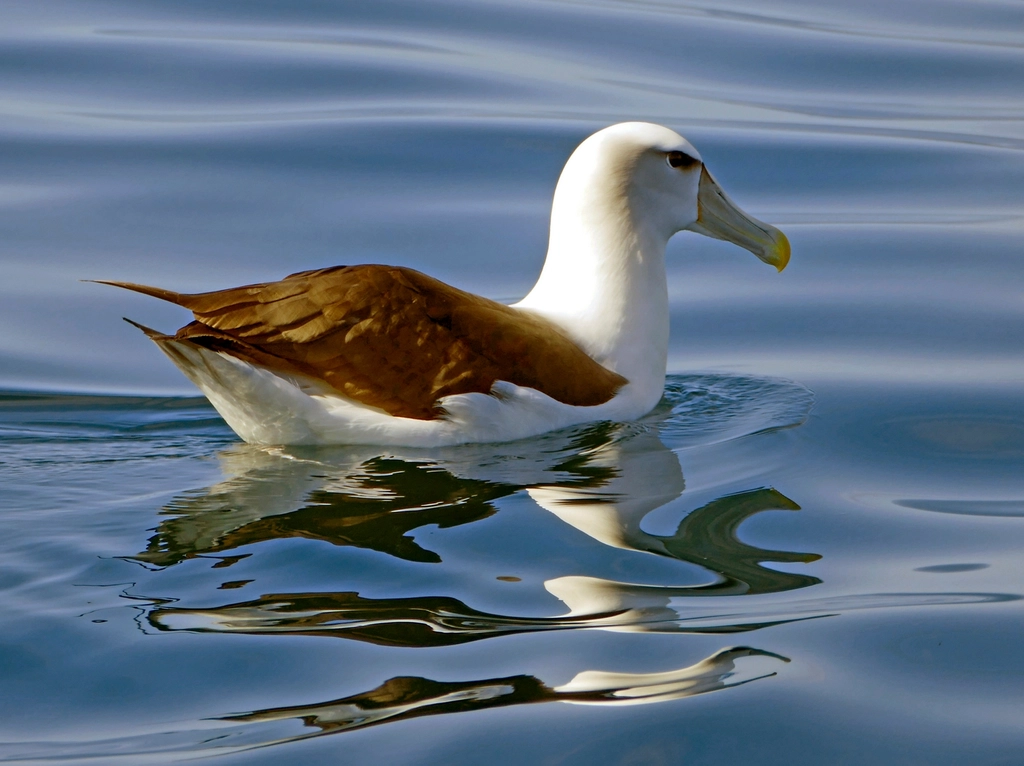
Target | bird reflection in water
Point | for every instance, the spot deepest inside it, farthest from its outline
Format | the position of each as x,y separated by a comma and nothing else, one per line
411,697
602,480
343,498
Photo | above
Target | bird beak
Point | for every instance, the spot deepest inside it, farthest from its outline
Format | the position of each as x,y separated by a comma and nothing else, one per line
719,217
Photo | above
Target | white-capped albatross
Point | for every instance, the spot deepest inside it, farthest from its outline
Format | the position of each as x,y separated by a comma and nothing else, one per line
386,355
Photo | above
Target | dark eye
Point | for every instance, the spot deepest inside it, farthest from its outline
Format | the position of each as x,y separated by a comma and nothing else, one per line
680,160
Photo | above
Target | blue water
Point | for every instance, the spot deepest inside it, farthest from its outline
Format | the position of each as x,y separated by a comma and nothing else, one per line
810,553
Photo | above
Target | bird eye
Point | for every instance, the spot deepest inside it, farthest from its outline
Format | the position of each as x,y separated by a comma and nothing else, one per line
680,160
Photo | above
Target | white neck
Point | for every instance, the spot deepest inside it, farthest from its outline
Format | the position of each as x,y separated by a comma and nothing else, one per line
604,277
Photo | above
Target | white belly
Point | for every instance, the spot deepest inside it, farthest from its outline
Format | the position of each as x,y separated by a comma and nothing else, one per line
263,407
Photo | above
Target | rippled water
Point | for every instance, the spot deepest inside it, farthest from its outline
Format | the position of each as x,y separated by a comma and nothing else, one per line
842,568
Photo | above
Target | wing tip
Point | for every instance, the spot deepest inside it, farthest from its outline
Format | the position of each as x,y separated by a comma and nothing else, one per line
155,292
149,331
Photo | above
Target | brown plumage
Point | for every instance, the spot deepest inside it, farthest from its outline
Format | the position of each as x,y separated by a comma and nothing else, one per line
391,338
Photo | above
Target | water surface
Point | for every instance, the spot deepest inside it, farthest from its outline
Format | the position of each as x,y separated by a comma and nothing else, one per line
810,552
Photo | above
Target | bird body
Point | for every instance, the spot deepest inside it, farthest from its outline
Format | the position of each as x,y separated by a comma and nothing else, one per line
385,355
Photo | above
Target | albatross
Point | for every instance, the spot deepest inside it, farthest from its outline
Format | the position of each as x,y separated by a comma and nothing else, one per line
386,355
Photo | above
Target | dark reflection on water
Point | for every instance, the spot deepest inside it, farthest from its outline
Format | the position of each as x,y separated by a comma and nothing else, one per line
401,698
422,622
385,499
441,621
707,537
406,697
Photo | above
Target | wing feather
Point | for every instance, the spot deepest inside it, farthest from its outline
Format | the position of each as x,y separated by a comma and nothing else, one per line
391,338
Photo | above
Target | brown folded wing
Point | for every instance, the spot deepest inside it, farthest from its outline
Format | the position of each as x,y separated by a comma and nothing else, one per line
391,338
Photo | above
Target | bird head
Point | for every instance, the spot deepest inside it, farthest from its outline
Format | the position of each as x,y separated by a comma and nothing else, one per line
662,183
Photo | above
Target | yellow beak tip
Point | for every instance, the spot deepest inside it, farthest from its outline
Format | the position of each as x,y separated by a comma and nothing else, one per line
782,252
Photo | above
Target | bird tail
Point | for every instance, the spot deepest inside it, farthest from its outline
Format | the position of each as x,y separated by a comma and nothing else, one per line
154,335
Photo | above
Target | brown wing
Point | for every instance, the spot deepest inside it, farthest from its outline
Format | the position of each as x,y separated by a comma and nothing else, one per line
392,338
